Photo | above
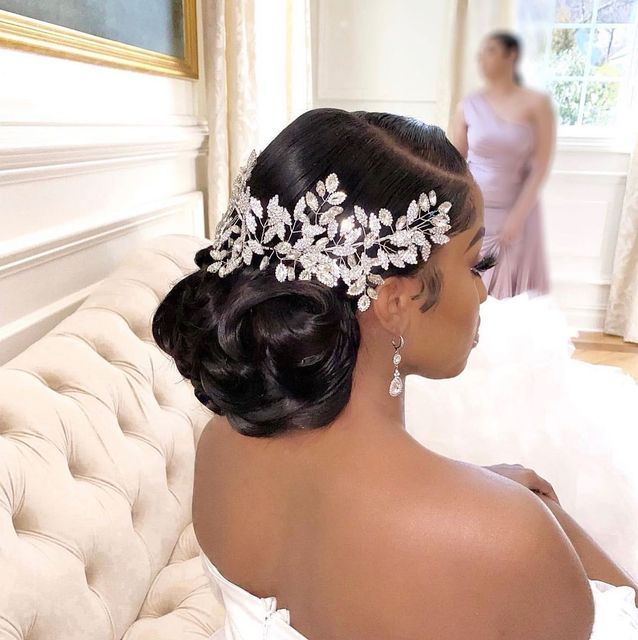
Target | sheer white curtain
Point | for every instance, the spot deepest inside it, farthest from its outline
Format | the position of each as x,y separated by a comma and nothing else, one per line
257,77
622,308
231,94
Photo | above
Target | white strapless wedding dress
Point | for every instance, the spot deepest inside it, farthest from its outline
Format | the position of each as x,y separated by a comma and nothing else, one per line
249,617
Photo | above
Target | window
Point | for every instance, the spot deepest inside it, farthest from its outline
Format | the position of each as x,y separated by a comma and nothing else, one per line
588,54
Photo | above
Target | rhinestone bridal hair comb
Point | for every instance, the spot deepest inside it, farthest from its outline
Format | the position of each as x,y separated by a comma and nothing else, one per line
327,249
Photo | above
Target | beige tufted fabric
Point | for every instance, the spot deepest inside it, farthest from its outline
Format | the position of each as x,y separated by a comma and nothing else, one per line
97,442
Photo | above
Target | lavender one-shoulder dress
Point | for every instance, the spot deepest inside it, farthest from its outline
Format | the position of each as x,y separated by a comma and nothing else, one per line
499,157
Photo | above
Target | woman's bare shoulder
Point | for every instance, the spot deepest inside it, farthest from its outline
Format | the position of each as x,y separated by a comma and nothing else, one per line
537,101
490,556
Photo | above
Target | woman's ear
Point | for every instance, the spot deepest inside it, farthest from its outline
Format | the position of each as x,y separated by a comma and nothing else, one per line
393,304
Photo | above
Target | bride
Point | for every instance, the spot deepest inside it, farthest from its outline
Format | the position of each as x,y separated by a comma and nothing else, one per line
348,258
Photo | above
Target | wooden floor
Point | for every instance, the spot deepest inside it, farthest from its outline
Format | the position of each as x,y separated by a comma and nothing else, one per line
598,348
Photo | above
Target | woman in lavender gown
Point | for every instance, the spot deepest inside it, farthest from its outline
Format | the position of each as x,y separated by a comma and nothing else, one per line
507,134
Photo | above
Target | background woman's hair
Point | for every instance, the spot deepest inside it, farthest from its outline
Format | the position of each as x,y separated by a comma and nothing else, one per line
274,356
510,43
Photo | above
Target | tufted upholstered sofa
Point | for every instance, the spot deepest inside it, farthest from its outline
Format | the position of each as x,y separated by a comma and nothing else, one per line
97,445
97,442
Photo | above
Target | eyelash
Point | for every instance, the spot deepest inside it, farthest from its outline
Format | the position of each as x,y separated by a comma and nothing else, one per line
484,265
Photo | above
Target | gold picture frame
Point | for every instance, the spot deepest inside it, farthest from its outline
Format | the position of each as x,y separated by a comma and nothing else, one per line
33,35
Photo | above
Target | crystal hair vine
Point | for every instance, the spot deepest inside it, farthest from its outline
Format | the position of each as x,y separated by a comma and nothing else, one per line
328,249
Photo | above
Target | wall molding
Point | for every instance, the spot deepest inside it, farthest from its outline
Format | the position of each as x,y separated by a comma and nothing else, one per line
583,301
97,243
614,177
54,243
19,334
42,151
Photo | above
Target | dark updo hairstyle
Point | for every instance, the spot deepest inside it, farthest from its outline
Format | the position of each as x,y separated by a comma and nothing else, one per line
274,356
510,43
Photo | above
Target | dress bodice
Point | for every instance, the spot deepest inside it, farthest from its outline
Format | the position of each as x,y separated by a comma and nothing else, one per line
499,151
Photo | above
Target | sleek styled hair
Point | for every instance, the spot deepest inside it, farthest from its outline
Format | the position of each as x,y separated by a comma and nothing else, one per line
273,356
510,43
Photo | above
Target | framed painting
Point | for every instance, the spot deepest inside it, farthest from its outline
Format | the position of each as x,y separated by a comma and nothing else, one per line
156,36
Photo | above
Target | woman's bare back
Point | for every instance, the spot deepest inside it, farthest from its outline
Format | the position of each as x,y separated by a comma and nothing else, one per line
387,537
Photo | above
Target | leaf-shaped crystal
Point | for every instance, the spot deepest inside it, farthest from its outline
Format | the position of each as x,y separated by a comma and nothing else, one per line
283,248
413,212
418,237
347,225
358,287
445,207
251,223
332,182
396,260
303,243
401,222
264,263
273,207
424,202
255,205
270,233
363,304
321,189
337,197
439,238
300,208
385,217
312,230
440,220
281,272
311,200
325,277
256,247
426,250
353,236
361,216
432,198
401,238
410,255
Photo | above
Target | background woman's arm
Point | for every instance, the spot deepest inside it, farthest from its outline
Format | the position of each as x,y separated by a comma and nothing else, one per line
459,131
545,128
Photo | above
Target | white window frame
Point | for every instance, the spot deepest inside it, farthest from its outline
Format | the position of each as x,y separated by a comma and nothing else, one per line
613,137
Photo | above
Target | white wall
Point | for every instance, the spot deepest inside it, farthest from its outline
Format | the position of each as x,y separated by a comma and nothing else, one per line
583,201
377,55
92,161
386,55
